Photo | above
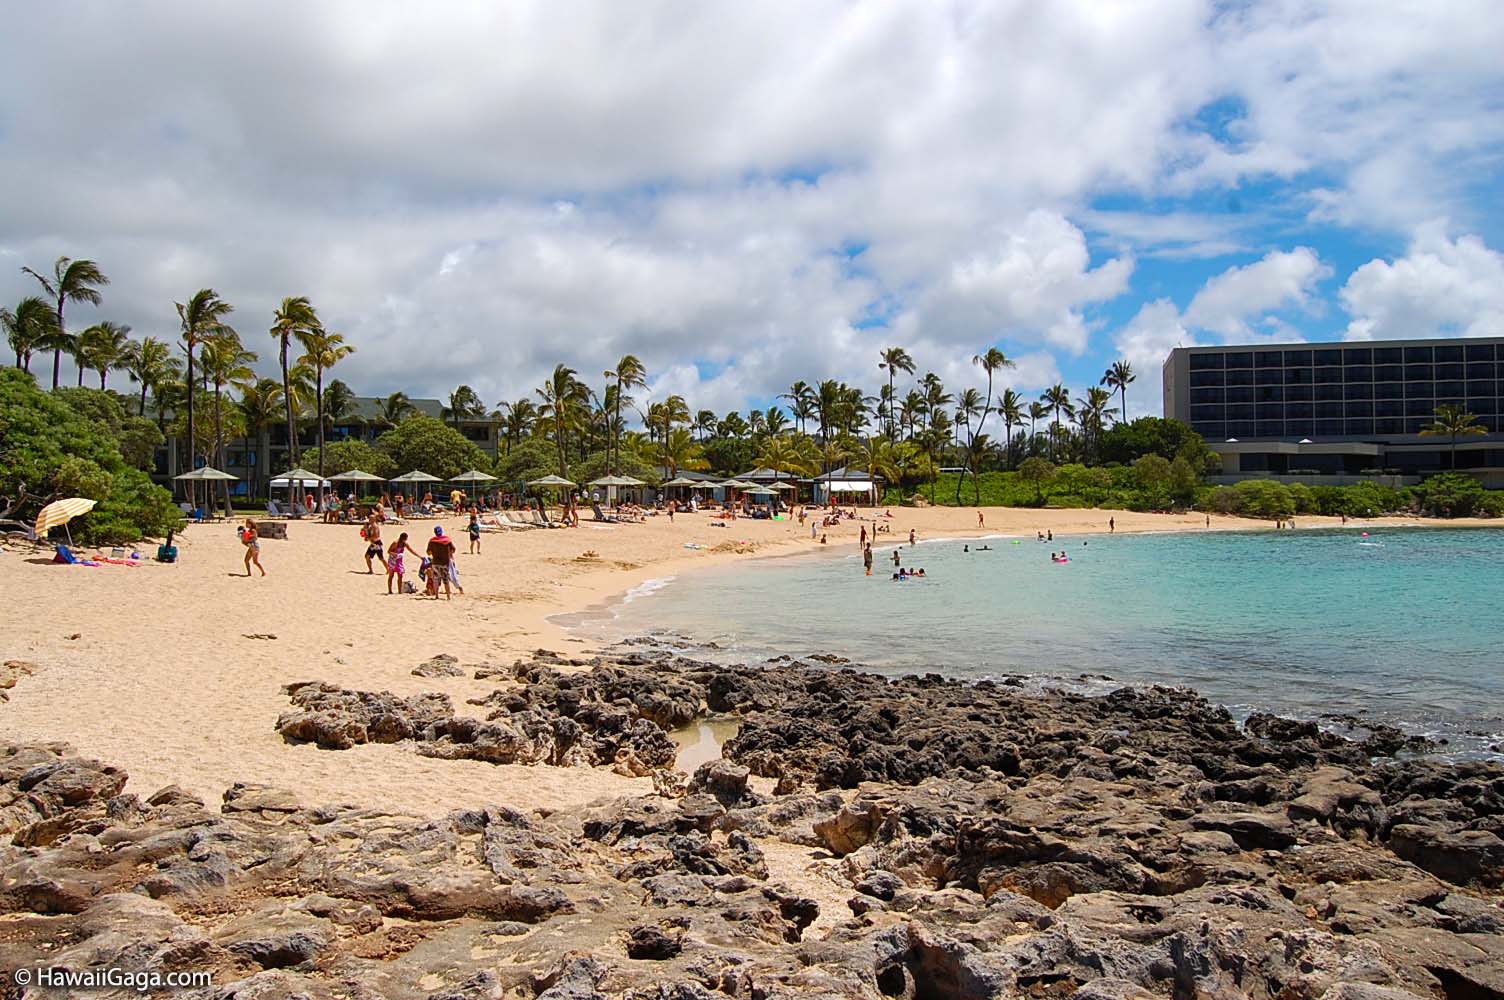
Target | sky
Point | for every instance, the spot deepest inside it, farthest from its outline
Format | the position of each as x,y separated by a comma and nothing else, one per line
747,194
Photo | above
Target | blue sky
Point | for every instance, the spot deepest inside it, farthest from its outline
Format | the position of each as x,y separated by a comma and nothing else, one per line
745,195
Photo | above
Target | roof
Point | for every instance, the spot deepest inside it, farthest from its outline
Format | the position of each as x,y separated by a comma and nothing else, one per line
699,477
365,409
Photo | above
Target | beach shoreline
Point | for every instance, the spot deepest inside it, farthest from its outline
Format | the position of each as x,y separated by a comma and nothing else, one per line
166,671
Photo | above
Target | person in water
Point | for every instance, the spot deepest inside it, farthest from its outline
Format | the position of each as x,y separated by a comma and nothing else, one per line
920,571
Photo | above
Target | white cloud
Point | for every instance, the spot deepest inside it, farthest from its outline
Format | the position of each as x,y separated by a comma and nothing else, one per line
1145,343
1442,287
1282,279
477,192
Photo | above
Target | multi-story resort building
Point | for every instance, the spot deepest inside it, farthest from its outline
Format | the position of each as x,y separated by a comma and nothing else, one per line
1337,412
256,458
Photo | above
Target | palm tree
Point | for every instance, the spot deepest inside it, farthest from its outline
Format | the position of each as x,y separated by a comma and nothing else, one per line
295,318
339,402
149,362
202,316
1094,411
323,350
226,363
464,404
992,361
967,406
1010,406
878,457
517,419
705,422
71,281
1117,376
103,346
1037,412
801,402
1058,399
28,328
258,406
894,359
394,409
1453,421
666,415
630,373
563,396
682,451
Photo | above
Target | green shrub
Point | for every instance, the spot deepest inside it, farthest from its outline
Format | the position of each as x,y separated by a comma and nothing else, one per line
68,443
1264,498
429,445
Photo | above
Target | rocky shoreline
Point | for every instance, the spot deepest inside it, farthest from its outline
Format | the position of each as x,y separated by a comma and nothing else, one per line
951,840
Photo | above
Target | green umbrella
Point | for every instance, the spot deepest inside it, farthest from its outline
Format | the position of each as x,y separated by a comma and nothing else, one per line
208,474
416,477
357,476
473,476
681,481
551,480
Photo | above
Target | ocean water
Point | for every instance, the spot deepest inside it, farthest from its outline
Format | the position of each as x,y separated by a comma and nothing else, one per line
1402,627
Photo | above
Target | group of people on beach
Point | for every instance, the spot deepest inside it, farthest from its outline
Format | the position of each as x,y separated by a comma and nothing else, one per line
437,566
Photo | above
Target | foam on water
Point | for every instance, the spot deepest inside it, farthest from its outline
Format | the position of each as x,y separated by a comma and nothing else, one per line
1302,623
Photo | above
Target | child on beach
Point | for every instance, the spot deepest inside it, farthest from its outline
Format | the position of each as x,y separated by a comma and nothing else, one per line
430,577
396,563
252,543
371,532
474,531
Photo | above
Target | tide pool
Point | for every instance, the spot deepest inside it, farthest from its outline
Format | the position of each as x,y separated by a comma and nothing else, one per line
1401,627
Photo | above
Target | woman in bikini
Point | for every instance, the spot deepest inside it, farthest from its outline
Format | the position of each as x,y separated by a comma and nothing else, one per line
252,543
395,563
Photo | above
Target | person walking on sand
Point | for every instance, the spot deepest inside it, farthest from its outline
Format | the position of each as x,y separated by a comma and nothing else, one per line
441,555
473,530
1112,525
911,537
396,564
252,542
981,522
371,532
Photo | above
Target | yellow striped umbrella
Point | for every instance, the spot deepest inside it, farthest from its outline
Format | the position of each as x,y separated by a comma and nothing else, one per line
60,512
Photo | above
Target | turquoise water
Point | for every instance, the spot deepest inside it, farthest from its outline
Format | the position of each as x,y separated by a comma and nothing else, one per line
1402,626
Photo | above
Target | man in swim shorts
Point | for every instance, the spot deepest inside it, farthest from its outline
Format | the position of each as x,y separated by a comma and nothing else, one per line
372,534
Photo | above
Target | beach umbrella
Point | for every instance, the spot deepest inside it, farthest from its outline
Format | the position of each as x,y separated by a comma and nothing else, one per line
208,474
761,491
59,513
416,477
300,475
473,476
357,476
615,481
784,486
551,480
737,484
681,481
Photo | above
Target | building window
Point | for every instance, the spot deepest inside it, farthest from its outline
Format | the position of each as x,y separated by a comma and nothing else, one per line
1480,369
1215,430
1205,362
1450,389
1358,373
1271,428
1452,371
1239,359
1206,396
1240,412
1328,410
1389,408
1419,390
1297,376
1360,390
1417,354
1200,414
1328,393
1327,357
1241,428
1300,428
1329,375
1419,408
1269,376
1360,427
1390,426
1329,428
1270,394
1302,392
1241,377
1359,408
1388,356
1269,359
1448,354
1480,352
1357,355
1389,390
1240,394
1206,379
1298,411
1297,357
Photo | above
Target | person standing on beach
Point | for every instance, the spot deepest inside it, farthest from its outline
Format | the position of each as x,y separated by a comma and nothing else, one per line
372,534
473,530
252,542
441,555
980,522
1112,525
867,558
396,562
863,540
912,540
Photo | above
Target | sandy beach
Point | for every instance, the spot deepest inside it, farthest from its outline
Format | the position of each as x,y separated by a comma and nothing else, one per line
163,670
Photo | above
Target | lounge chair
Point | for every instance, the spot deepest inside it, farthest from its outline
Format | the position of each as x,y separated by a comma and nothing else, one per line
599,516
272,510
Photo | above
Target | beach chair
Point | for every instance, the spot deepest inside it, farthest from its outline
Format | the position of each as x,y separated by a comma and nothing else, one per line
65,555
595,508
272,510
